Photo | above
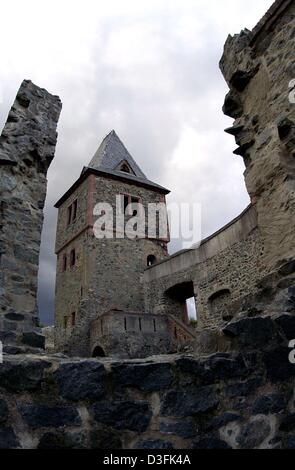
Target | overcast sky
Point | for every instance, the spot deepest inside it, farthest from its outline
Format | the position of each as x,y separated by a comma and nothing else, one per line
149,70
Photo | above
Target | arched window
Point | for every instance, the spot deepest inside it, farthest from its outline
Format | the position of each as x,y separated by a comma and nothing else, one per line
151,259
125,168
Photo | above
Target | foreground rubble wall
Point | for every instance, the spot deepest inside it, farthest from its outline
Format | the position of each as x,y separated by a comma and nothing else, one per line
242,399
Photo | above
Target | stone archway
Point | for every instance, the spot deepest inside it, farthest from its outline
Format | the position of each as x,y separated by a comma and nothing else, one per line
98,352
177,296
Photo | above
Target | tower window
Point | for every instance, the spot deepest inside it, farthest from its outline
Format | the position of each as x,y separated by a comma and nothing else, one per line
73,318
151,259
73,258
65,322
155,327
75,206
64,262
125,324
140,324
69,214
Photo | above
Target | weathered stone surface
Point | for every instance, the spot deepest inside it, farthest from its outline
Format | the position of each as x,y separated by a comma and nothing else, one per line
269,404
134,416
253,434
8,439
278,366
288,423
82,380
3,411
42,416
105,439
157,444
63,440
33,339
241,389
210,443
185,429
149,377
222,420
22,375
287,324
252,333
189,403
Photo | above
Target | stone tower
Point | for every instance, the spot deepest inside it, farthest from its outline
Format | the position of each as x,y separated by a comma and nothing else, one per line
95,275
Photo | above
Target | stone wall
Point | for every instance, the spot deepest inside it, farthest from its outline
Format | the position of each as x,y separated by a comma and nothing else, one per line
258,67
243,399
27,146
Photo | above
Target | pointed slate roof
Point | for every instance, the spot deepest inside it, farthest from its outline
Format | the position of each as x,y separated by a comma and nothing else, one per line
111,154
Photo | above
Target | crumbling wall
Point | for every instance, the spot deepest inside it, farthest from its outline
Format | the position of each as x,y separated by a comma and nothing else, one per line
258,66
241,400
27,146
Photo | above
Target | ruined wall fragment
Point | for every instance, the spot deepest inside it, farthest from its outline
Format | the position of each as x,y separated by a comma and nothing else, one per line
258,66
27,146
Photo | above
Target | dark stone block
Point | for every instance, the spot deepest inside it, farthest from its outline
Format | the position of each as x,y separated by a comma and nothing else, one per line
8,337
253,434
241,78
13,316
35,340
134,416
243,389
216,368
145,377
290,443
61,440
184,429
105,439
210,443
288,423
42,416
21,376
157,444
287,324
285,126
82,380
3,411
269,404
232,105
222,420
8,439
277,365
188,403
253,333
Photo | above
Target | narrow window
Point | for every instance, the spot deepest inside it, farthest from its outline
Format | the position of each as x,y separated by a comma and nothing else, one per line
155,326
69,214
175,332
75,206
125,324
134,200
65,322
140,324
73,258
73,318
151,259
64,263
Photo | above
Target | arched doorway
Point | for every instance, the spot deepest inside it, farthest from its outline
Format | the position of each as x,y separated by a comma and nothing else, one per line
181,297
98,352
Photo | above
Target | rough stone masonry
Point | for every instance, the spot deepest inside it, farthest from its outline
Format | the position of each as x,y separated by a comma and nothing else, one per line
27,146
